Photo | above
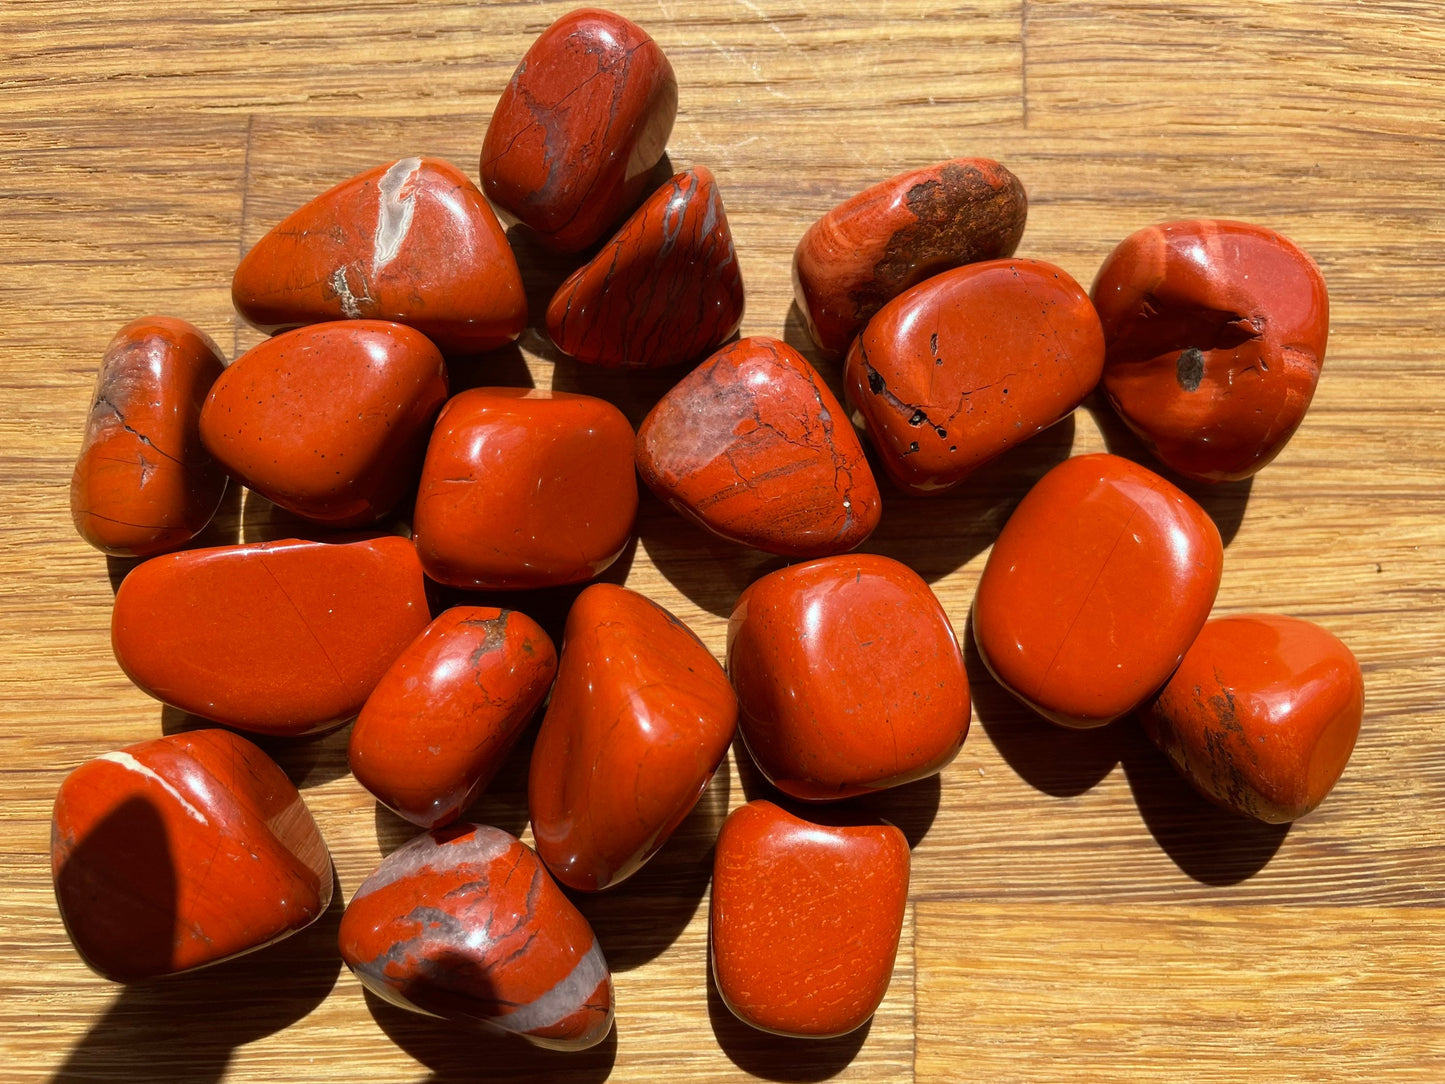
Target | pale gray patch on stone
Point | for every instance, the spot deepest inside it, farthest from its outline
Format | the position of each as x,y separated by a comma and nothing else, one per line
483,847
562,1000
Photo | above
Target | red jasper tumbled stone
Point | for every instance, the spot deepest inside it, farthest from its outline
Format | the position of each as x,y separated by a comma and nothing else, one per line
181,852
1216,335
525,488
412,241
970,363
754,447
274,637
1097,585
442,719
872,247
805,919
639,720
579,128
848,675
1261,715
464,923
666,289
329,421
143,483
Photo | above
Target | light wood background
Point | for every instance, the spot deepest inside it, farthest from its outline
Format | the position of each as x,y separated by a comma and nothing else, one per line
1076,912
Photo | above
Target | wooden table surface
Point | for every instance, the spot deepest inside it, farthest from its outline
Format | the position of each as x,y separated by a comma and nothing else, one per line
1076,913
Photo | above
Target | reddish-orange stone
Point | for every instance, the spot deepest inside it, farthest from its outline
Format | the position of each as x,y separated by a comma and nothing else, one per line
869,249
640,718
273,637
577,131
1261,715
665,290
525,488
182,852
440,722
329,421
1097,585
464,923
143,483
970,363
412,241
754,447
805,919
848,675
1216,334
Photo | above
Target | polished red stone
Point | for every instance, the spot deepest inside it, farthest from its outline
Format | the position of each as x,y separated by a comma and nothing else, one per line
411,241
805,919
181,852
1216,334
525,488
970,363
272,637
639,720
143,483
464,923
848,675
579,128
666,289
1097,585
329,421
754,447
440,722
1261,715
870,248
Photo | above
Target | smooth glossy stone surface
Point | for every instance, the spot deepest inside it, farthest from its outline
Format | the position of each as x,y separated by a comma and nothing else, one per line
639,720
754,447
1261,715
666,289
805,919
273,637
464,923
182,852
1216,334
329,421
143,483
579,128
445,715
848,675
869,249
1097,585
411,241
525,488
968,364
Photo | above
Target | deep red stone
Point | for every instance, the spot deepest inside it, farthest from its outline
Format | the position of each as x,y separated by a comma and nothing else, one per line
870,248
181,852
640,718
1216,334
143,483
970,363
1097,585
665,290
578,130
848,675
411,241
272,637
329,421
445,715
1261,715
805,919
464,923
754,447
525,488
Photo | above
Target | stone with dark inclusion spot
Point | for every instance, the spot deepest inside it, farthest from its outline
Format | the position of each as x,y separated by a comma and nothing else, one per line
753,446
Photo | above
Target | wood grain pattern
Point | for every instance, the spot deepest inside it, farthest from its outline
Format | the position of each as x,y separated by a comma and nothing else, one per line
1076,912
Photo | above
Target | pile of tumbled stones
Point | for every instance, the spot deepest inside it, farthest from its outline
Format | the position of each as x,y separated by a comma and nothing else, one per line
843,674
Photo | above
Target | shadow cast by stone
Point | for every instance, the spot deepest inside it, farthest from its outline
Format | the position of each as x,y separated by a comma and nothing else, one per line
505,367
778,1057
309,761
